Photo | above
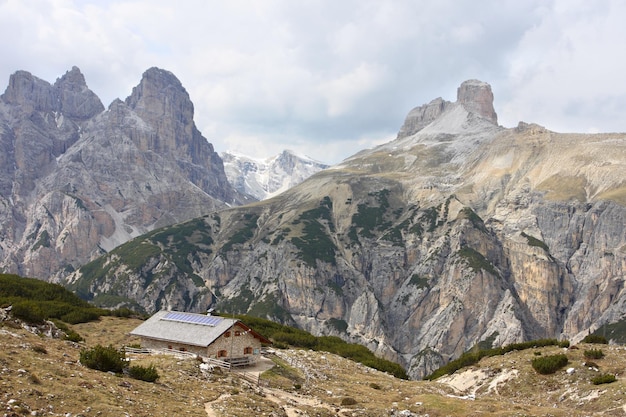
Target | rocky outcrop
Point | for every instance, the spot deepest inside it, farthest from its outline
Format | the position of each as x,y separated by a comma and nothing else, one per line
78,180
473,95
422,116
69,95
75,99
477,98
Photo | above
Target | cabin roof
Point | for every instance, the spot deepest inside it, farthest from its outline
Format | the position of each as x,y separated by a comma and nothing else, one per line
188,328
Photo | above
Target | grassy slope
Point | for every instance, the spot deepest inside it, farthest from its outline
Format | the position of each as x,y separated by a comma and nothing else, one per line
40,380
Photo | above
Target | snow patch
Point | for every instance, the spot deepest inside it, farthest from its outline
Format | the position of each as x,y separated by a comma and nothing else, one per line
265,178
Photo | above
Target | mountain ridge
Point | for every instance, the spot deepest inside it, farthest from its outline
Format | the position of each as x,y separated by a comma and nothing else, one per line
79,179
266,177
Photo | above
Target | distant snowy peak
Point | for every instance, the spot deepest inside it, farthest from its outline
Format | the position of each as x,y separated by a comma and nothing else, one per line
265,178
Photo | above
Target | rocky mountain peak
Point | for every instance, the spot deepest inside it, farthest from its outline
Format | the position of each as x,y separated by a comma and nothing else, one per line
72,80
159,94
422,116
477,98
69,95
161,101
29,92
102,176
75,99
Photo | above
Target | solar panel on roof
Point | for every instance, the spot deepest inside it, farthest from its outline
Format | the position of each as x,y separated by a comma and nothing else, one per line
192,318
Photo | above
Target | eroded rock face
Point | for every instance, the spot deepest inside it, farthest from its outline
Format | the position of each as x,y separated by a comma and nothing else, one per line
78,180
476,97
473,95
422,116
76,100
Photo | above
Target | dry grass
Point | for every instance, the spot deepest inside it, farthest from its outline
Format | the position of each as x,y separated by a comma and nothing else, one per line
50,381
562,188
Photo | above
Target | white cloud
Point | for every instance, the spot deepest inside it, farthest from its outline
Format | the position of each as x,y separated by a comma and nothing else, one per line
567,70
343,92
333,75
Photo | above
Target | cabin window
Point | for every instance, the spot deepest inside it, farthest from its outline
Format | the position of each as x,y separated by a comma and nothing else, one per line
222,353
182,349
227,334
247,351
169,347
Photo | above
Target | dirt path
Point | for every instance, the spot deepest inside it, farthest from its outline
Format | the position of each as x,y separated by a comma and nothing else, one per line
209,406
292,403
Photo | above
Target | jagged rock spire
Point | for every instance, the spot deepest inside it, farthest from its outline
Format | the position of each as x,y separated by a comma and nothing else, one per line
477,98
75,99
69,95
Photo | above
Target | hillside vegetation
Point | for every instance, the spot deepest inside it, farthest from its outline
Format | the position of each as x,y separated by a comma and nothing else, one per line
284,336
34,301
43,376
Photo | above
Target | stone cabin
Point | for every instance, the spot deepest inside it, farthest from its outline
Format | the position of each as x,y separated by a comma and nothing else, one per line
204,335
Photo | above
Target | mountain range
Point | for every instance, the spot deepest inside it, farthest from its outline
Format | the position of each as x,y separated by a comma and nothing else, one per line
459,232
265,178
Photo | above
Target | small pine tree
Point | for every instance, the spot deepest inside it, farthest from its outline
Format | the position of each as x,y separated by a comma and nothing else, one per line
143,373
603,379
549,364
105,359
597,339
594,354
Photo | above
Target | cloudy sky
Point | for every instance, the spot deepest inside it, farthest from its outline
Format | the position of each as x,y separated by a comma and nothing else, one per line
329,78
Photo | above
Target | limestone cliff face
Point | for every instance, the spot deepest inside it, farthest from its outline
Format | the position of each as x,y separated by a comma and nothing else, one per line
77,180
477,98
457,232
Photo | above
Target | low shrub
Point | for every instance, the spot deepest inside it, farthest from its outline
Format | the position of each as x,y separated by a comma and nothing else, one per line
549,364
348,401
81,315
564,343
70,334
594,354
28,311
105,359
73,336
603,379
374,385
124,312
597,339
143,373
474,356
